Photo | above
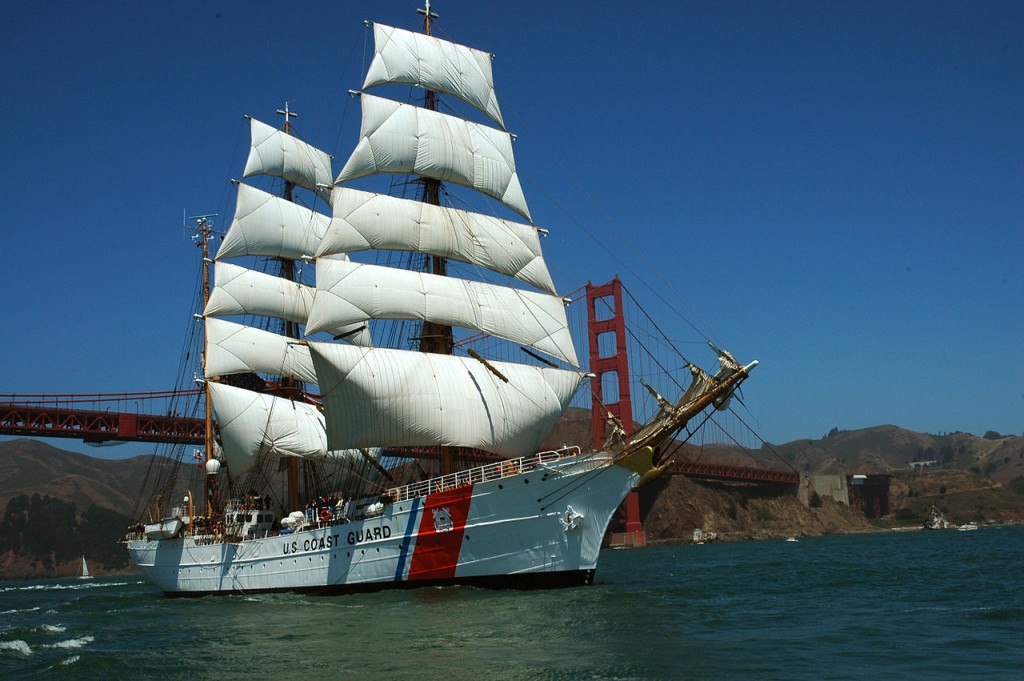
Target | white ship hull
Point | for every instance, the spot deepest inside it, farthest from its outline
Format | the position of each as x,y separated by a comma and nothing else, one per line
534,529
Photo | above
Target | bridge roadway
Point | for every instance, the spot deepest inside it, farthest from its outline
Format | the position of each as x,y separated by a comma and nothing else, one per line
37,419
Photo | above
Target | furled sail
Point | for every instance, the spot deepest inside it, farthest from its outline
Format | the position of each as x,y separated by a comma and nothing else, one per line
409,58
235,349
267,225
401,138
349,292
274,152
379,396
241,291
366,220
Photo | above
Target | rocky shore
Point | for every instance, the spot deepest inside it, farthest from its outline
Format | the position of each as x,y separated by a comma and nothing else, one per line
672,508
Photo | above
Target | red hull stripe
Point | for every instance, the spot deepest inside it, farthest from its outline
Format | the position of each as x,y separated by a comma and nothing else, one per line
439,539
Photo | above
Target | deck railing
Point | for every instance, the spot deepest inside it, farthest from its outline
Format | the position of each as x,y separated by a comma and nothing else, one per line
472,476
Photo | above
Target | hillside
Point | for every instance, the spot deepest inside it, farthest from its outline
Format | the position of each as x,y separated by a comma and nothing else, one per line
58,505
880,449
965,476
885,449
31,467
672,507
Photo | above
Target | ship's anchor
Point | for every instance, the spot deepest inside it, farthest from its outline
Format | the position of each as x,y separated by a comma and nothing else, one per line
570,519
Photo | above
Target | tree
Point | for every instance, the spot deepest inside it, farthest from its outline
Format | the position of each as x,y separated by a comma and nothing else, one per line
51,531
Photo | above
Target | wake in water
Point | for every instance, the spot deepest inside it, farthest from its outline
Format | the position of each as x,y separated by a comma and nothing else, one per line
63,587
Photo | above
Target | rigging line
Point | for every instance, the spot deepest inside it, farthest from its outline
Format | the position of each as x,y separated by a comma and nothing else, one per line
360,470
346,98
663,369
614,255
736,442
160,473
622,234
763,441
639,342
653,323
690,432
224,202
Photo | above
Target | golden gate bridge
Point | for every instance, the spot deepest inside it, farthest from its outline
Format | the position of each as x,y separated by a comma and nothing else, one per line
155,416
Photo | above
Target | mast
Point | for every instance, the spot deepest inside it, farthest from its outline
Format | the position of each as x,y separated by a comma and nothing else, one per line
203,232
368,399
435,338
289,386
291,329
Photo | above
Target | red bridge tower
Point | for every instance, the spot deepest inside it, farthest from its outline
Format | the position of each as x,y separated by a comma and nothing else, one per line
601,300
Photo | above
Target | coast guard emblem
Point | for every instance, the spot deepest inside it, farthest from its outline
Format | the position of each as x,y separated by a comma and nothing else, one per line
443,519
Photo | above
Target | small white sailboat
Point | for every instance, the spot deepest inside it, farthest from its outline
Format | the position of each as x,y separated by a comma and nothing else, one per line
84,572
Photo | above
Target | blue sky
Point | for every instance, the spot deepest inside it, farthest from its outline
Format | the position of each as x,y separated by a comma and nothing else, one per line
833,188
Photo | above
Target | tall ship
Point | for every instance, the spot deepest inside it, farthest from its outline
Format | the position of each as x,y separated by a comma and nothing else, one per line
362,429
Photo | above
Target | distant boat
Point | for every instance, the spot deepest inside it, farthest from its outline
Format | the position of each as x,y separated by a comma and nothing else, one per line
967,527
793,539
84,572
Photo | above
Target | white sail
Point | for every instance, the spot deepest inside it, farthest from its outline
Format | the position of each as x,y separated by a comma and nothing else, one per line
409,58
276,153
241,291
235,348
378,396
365,220
267,225
401,138
256,424
349,293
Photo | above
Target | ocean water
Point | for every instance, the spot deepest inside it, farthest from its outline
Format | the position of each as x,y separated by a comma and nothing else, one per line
916,605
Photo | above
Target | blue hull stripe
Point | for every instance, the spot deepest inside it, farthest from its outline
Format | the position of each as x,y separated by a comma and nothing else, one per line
407,539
